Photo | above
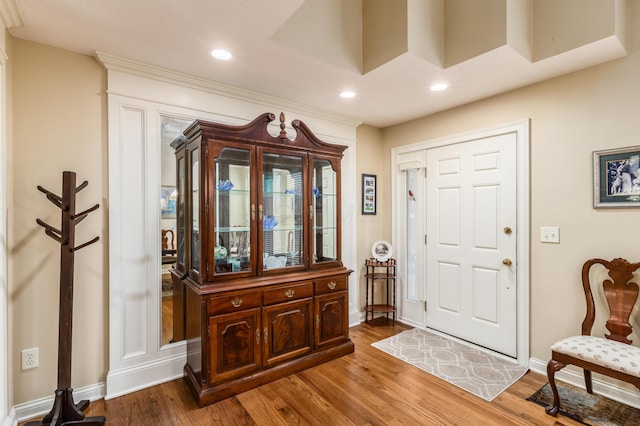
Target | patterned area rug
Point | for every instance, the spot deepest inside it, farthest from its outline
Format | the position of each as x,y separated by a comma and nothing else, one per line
167,285
475,371
589,409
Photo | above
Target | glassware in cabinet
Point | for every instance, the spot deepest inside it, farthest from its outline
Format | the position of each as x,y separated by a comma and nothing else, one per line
324,211
281,210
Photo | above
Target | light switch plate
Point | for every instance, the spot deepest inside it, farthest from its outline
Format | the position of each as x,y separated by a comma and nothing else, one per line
550,234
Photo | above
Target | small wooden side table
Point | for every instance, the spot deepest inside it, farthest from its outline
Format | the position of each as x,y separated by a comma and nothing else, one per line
384,272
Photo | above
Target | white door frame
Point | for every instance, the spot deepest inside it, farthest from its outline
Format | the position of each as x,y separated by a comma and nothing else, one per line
521,129
4,294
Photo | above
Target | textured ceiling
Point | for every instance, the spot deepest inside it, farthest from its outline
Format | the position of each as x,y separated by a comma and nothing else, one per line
388,52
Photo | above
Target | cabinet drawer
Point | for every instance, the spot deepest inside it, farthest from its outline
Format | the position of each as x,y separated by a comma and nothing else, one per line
233,302
285,293
331,284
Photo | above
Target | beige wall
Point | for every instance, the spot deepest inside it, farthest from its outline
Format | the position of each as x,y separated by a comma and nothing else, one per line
571,116
59,123
371,227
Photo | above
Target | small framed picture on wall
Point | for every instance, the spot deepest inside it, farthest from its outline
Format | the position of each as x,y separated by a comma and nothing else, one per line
616,177
368,194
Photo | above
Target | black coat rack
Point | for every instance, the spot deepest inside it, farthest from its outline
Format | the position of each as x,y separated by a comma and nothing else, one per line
65,411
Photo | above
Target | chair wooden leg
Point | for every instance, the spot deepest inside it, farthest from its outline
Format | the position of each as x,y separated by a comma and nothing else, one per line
587,380
552,367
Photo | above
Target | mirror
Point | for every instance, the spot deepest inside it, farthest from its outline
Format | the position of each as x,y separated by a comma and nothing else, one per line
170,128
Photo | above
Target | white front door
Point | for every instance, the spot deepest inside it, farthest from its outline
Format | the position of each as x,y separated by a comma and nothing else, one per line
471,241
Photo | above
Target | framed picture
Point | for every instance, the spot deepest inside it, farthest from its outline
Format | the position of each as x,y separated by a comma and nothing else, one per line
168,196
616,177
368,194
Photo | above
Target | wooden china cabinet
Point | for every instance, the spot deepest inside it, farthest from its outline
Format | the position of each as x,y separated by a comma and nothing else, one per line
259,254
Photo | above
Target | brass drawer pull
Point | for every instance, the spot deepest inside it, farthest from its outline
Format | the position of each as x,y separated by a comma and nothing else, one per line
236,302
332,285
289,293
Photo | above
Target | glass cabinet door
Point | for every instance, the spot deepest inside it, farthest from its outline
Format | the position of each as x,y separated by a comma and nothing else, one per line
233,211
180,210
195,210
281,210
324,211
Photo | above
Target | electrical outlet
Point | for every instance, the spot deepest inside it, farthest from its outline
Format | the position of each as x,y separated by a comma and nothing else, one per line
30,358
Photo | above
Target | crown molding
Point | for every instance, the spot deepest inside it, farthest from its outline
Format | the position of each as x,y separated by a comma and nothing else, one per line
10,13
117,63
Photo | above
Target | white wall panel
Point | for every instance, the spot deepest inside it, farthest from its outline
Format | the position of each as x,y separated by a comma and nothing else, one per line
133,231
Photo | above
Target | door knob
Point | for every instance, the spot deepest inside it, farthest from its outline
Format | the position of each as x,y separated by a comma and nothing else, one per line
506,261
508,230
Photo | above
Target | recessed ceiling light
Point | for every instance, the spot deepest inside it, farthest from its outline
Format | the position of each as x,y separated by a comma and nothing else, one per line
348,94
223,55
438,87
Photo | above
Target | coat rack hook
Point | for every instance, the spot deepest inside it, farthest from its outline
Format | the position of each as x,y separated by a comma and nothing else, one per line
85,244
78,217
51,196
54,233
82,186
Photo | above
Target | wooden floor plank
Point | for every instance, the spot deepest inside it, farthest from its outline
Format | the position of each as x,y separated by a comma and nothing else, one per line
368,387
262,405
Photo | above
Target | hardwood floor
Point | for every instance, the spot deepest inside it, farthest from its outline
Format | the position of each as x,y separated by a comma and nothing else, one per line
367,387
167,319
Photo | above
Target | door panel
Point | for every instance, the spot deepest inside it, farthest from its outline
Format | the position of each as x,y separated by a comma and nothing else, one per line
287,331
449,287
471,198
331,312
486,286
235,350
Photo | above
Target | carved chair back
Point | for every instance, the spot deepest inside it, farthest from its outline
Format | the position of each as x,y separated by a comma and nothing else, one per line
167,240
621,294
168,247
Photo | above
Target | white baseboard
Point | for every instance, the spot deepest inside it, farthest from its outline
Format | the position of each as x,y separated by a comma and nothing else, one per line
40,407
409,322
118,383
355,318
10,419
142,376
600,387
